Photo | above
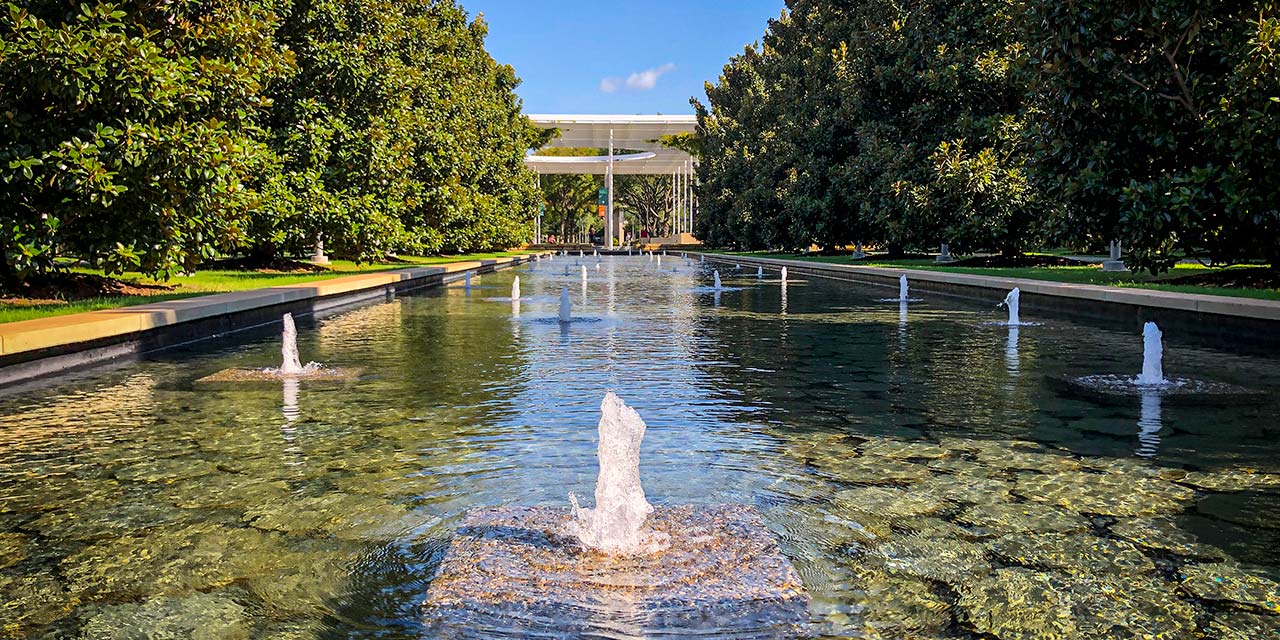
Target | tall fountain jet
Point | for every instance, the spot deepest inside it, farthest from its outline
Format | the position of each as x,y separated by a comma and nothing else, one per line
659,260
759,272
515,288
717,278
290,365
468,284
616,524
584,273
784,275
1012,301
565,309
902,288
1152,356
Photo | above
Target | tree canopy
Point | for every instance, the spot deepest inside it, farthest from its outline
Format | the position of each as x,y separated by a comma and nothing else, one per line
997,125
151,137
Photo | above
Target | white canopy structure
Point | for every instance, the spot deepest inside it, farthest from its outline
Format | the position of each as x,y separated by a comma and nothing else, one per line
640,135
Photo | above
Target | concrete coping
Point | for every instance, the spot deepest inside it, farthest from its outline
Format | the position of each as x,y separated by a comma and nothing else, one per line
58,331
1193,302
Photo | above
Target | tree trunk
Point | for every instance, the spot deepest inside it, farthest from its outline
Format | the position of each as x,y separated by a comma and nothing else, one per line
8,277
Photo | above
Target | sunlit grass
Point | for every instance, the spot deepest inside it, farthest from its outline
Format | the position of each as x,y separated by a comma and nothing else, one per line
219,281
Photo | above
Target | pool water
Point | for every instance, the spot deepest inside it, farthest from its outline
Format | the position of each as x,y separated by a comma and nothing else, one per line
928,475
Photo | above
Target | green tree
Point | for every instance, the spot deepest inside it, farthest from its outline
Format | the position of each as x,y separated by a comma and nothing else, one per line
648,201
871,121
127,131
1157,124
571,204
398,132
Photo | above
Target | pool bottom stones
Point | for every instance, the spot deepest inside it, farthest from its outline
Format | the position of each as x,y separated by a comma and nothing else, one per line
515,569
245,375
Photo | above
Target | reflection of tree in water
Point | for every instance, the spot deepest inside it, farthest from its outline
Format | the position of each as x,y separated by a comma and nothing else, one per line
962,376
814,367
44,421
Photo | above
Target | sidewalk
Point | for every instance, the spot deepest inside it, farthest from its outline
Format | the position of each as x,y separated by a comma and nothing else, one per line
61,332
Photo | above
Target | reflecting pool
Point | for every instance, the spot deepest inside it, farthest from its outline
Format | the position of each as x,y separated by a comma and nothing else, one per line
928,474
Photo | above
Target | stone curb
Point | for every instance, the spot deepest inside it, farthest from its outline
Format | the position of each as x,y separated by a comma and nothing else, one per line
1254,309
61,332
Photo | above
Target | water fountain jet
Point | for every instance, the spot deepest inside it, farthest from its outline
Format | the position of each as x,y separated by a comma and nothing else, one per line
904,292
291,367
1152,379
718,286
616,524
515,289
1152,357
565,309
1013,303
714,568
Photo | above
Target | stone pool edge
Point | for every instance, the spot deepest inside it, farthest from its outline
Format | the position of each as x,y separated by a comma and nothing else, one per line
45,346
1097,300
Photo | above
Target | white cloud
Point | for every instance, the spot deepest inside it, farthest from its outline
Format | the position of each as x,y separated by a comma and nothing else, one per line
638,81
647,79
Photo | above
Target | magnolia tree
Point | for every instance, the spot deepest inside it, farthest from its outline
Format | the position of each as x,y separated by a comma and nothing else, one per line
153,136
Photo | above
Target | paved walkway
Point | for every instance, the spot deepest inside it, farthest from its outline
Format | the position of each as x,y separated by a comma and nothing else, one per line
62,331
1191,302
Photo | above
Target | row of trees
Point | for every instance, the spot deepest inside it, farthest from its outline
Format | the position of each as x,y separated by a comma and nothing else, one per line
998,125
152,136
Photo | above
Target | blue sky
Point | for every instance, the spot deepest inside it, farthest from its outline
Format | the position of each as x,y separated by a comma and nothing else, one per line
612,56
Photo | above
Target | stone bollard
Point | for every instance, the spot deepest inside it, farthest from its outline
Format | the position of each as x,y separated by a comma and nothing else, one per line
1115,263
944,257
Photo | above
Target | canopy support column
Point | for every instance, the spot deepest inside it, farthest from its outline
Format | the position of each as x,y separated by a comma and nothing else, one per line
608,214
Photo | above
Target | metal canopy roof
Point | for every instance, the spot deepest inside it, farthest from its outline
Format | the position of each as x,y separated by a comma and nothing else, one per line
631,133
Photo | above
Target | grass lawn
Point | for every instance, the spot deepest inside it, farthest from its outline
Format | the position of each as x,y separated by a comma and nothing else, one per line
1075,275
209,282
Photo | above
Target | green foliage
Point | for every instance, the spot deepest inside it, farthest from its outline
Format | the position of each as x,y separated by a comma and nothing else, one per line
398,132
1157,124
143,136
127,130
571,200
995,125
647,203
870,121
